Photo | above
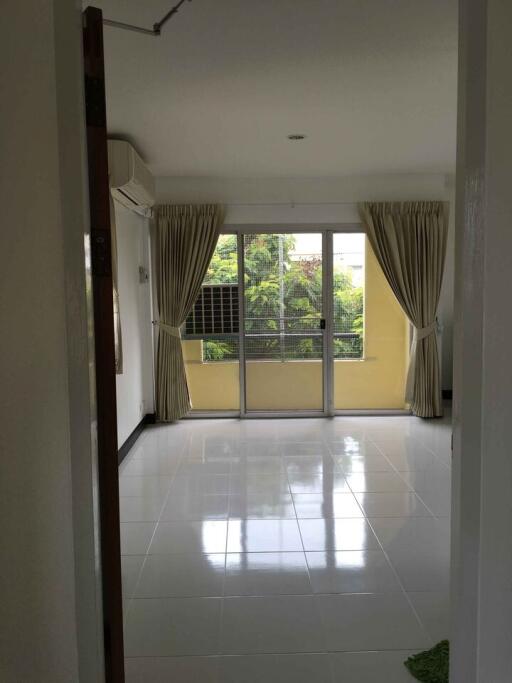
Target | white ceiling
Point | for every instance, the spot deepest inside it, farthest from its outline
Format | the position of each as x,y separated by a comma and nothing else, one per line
372,83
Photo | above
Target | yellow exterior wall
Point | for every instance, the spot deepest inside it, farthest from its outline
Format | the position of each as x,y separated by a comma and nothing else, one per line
212,386
293,385
378,381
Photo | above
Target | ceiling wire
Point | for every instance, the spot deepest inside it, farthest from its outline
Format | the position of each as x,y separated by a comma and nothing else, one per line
157,28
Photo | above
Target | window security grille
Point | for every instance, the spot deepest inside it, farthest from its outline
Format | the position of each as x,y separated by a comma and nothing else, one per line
215,312
283,304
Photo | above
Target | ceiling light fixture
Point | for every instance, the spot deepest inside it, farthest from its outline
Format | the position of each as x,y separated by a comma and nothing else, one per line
157,28
296,136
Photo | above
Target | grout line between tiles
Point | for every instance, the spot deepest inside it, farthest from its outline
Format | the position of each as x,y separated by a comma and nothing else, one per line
401,584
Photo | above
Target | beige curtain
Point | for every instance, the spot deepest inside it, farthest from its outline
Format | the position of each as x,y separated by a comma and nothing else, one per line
409,241
186,237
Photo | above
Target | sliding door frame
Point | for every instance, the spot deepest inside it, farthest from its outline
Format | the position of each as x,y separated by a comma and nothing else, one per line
326,231
278,229
328,410
327,310
241,323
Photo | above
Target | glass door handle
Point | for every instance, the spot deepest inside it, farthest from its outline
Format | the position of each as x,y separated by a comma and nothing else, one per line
322,323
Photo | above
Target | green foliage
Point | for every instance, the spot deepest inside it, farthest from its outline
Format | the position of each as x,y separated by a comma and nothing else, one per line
219,350
223,269
301,303
348,315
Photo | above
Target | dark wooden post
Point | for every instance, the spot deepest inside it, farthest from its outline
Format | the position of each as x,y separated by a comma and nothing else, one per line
101,263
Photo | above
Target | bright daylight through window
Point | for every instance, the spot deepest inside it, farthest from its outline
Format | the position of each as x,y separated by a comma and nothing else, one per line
283,299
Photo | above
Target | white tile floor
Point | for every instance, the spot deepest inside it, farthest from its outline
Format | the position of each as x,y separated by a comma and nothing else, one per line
312,550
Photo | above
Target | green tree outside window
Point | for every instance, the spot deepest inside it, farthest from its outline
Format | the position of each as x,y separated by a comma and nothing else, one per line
283,302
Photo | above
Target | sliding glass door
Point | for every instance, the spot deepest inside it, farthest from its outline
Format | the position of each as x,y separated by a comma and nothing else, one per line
211,335
295,322
283,328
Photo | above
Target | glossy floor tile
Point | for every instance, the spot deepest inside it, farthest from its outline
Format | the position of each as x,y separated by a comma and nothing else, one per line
170,627
255,483
326,505
418,459
353,447
140,509
188,537
352,571
363,463
377,482
195,506
422,568
304,448
265,466
276,623
337,534
317,482
192,466
304,550
267,574
259,448
378,621
419,550
411,532
182,575
297,668
371,667
200,484
392,504
149,465
131,566
310,463
136,537
262,505
433,485
145,486
433,609
268,535
171,669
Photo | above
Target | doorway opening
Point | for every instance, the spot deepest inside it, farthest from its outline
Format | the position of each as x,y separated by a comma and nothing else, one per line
295,321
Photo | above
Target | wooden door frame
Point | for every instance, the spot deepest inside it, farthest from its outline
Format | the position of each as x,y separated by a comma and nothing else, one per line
101,266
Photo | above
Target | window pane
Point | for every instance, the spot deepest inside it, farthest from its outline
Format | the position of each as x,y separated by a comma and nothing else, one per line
210,335
348,295
283,308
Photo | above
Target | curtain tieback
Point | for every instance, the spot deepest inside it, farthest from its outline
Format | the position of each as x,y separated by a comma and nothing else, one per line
170,329
419,334
423,332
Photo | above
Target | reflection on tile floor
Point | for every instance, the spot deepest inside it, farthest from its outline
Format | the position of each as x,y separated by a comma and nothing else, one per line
304,550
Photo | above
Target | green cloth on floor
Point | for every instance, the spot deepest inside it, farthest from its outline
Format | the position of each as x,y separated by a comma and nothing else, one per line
432,665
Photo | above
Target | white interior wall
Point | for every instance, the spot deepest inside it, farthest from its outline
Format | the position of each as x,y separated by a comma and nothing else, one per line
481,642
51,606
135,384
323,201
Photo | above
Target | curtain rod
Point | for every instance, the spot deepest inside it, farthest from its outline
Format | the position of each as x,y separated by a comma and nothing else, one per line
155,31
291,203
354,202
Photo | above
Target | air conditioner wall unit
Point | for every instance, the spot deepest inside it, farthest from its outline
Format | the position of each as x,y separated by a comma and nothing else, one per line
131,182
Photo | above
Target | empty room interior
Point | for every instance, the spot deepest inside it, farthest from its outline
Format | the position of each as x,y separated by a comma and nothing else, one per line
298,527
280,332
